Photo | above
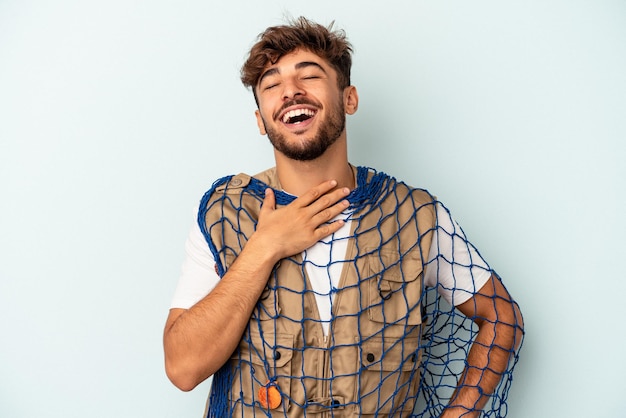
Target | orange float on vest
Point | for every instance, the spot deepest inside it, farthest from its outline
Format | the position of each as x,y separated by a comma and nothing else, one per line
269,396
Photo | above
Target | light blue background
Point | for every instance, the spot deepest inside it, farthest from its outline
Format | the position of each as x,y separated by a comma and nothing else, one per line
116,116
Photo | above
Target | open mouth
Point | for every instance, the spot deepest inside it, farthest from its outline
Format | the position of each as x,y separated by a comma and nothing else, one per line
297,116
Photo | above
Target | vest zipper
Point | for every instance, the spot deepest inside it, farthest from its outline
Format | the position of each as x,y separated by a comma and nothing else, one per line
327,371
350,255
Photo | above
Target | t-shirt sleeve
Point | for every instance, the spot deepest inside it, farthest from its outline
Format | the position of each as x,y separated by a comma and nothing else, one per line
454,265
198,276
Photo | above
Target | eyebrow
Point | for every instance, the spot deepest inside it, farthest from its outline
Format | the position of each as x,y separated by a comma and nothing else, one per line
305,64
298,66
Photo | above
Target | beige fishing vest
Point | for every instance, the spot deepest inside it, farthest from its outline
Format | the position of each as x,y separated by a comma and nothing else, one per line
368,365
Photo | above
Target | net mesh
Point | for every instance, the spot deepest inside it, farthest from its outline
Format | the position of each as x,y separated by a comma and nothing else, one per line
401,352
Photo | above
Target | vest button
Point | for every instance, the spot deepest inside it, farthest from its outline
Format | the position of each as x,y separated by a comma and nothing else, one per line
370,357
236,182
336,403
277,355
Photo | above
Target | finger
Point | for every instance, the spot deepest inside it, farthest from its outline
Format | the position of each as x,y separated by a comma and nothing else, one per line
327,229
328,200
327,214
269,202
315,193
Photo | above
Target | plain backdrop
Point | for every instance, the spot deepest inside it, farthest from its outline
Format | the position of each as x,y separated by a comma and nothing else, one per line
116,116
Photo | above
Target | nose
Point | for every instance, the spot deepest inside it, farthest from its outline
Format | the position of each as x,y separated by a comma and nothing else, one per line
292,89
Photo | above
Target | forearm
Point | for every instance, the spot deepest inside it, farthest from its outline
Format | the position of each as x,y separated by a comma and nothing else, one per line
487,361
499,336
198,341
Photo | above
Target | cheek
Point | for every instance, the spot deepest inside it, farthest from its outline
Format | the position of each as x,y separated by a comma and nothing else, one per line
266,105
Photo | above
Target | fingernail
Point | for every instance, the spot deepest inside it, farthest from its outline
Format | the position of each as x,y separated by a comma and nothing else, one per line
333,183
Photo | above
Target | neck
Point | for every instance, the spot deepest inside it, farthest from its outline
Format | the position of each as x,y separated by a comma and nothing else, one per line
298,177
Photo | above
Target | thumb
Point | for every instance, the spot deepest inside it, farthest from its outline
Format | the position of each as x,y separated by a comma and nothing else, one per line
269,202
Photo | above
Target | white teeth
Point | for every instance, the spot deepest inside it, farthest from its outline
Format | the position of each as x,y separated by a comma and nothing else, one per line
297,112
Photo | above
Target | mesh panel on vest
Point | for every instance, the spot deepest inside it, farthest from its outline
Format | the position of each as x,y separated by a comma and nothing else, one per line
395,348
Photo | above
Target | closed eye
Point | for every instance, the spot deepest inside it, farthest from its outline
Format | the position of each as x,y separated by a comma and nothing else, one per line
270,86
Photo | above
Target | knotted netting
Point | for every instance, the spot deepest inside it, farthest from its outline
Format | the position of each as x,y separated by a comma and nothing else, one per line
392,345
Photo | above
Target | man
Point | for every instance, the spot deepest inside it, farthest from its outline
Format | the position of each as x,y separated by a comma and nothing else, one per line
307,289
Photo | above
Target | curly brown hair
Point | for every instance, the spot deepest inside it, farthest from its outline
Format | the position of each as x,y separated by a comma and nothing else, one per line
276,41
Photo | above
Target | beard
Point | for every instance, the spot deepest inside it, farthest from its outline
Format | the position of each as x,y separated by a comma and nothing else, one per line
307,149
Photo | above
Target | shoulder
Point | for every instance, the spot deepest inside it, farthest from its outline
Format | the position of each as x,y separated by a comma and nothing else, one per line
236,183
399,191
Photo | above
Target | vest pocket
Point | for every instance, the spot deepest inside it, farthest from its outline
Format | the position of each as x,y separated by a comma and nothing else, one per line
267,308
388,375
259,360
394,289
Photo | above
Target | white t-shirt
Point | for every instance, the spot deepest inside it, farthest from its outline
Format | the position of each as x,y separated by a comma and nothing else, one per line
454,266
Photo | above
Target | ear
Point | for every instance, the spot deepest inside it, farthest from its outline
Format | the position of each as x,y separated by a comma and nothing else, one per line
350,100
260,123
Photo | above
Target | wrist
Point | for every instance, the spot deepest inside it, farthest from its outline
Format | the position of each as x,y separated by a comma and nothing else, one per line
459,412
262,252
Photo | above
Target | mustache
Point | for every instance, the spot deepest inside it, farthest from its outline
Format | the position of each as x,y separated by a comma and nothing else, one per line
294,102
